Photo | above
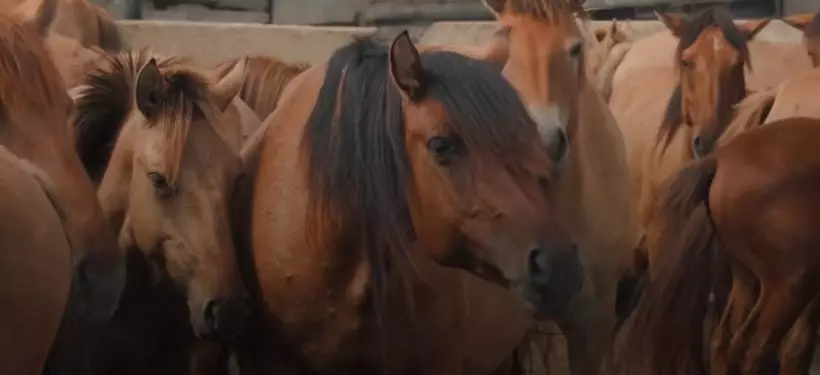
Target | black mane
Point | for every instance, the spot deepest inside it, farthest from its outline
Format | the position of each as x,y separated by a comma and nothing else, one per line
359,171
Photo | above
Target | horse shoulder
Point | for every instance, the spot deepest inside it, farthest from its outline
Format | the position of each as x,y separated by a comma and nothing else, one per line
797,97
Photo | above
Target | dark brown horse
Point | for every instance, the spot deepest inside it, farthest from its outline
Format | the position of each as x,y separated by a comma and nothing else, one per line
748,213
379,157
152,134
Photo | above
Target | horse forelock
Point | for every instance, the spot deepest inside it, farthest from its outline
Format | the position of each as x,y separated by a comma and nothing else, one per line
102,108
359,171
713,17
30,83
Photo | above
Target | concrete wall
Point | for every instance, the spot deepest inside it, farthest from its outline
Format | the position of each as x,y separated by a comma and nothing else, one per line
211,43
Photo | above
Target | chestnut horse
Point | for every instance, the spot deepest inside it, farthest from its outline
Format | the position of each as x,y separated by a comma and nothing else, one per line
36,115
700,94
756,197
81,20
810,25
397,156
153,136
265,82
37,255
542,49
35,264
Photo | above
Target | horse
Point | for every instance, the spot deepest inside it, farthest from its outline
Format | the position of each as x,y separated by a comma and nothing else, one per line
541,50
810,25
746,213
265,82
81,20
605,50
698,95
153,135
35,113
416,127
37,110
35,262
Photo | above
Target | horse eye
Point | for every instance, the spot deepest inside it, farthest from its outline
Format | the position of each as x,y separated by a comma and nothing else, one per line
160,184
575,49
688,64
441,147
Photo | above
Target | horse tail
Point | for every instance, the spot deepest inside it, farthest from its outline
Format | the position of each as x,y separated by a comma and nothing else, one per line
666,334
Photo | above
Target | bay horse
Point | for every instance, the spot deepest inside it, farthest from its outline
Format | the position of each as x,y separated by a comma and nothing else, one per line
751,207
671,115
810,25
36,115
153,136
541,49
409,194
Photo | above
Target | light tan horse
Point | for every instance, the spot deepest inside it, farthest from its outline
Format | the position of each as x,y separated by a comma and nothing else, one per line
546,65
35,264
81,20
154,136
670,114
336,333
605,49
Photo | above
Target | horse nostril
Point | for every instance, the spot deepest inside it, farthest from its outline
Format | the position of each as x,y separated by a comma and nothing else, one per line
558,146
212,311
536,263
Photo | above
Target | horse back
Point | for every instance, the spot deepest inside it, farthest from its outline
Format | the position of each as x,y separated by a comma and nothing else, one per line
797,97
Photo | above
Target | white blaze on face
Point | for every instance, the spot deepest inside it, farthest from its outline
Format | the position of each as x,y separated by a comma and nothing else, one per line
552,125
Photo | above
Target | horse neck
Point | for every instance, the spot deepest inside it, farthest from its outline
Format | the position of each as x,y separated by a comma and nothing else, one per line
597,158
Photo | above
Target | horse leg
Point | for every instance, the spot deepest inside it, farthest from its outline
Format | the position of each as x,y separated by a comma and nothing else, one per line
741,301
798,349
781,303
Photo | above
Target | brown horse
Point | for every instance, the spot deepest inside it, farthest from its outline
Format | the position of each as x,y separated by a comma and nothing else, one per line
265,82
153,135
444,165
699,100
542,51
810,25
35,264
81,20
37,110
755,197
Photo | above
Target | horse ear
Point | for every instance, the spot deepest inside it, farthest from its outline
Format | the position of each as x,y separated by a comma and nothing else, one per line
405,67
799,21
227,88
149,88
495,6
45,15
751,28
674,22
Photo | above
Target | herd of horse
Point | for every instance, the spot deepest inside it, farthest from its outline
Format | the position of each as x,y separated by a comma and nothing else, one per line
411,209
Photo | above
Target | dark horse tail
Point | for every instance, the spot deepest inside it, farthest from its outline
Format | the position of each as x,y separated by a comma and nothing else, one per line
666,337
